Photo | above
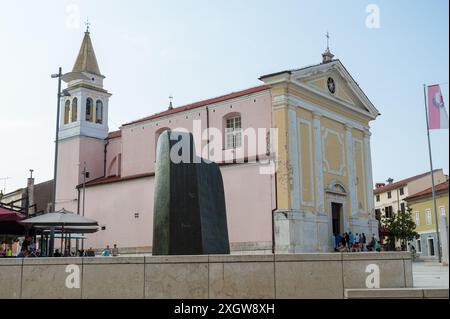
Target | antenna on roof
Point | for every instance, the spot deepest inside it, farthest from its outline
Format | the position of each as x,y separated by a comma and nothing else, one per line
170,103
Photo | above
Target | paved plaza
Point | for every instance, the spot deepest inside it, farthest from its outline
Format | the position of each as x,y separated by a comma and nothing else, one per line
430,274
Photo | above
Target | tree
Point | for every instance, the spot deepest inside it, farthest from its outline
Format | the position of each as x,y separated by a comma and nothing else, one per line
402,227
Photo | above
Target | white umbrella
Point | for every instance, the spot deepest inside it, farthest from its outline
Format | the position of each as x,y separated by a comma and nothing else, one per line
60,218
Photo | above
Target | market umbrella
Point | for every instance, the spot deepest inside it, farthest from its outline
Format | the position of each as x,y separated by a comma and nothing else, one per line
9,222
60,218
71,229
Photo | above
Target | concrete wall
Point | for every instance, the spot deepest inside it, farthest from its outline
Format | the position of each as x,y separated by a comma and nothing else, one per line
298,276
397,293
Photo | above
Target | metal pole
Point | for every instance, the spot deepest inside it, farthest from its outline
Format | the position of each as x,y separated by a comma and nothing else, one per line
84,196
432,177
55,168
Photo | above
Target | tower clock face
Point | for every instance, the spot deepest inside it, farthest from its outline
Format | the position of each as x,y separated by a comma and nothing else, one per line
331,85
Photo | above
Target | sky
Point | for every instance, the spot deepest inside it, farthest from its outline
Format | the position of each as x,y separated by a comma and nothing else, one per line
197,49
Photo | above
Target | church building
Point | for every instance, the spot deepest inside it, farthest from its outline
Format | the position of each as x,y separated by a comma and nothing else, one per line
310,177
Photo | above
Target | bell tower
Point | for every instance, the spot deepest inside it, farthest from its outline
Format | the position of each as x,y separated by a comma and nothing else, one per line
85,111
83,127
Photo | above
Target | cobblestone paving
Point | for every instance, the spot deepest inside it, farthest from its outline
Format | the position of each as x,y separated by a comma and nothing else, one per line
429,274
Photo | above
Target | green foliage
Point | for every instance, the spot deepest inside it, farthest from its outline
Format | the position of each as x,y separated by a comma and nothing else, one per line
402,226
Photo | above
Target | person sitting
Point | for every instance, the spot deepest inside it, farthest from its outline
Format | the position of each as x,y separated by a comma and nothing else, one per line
115,251
90,252
106,252
57,253
378,246
23,253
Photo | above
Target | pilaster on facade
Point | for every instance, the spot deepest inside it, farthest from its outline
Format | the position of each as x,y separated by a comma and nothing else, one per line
294,159
369,177
351,169
318,160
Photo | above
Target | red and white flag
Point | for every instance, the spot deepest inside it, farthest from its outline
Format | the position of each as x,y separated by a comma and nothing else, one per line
437,114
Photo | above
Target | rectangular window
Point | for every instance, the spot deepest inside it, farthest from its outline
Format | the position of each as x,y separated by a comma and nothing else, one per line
417,218
428,216
233,133
388,212
402,207
377,214
442,210
389,195
402,191
378,198
419,246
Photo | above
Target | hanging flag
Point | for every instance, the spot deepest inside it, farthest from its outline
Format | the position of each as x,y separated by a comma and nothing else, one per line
437,114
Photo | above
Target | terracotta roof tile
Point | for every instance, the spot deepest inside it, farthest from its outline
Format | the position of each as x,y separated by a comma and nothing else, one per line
438,188
401,183
202,103
114,134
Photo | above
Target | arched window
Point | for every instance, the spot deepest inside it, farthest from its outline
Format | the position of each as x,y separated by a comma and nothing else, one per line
74,109
66,112
89,107
99,112
233,131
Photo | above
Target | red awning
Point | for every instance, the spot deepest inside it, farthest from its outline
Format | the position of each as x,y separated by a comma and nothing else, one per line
7,215
384,231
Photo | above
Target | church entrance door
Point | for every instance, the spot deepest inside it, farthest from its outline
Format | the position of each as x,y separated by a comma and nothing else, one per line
336,212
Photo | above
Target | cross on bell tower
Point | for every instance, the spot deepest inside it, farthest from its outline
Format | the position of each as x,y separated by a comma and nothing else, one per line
88,25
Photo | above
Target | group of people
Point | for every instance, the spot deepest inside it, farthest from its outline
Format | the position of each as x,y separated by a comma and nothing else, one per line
28,248
110,252
349,242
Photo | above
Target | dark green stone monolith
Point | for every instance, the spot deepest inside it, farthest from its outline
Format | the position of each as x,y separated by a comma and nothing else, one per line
189,209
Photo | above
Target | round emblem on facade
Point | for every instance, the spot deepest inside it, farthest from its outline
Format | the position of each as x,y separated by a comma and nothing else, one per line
331,85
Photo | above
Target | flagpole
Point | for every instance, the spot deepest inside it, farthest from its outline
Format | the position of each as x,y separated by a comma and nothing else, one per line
432,176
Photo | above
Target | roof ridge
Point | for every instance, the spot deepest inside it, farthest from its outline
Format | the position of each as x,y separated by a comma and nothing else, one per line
201,103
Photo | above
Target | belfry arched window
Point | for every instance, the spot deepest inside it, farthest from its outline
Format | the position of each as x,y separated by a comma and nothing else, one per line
66,112
89,110
233,131
99,112
74,109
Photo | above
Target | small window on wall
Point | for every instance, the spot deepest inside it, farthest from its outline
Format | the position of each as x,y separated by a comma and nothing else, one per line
419,246
442,210
89,107
99,112
402,207
74,110
417,218
67,112
378,198
428,216
389,194
388,212
233,132
402,191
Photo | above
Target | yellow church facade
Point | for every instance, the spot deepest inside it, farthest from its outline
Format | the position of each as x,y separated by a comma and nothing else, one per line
324,168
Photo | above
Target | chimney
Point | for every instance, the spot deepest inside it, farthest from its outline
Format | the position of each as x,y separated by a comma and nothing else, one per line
379,185
390,180
30,192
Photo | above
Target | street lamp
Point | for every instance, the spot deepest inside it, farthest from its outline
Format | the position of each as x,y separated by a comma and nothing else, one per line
55,168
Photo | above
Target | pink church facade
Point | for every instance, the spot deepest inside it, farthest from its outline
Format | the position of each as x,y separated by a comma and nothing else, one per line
119,188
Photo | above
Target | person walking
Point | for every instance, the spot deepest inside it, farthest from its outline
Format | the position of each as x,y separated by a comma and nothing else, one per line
363,242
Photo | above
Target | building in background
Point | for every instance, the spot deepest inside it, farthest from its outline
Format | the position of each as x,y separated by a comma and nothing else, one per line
390,198
422,207
322,185
33,199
